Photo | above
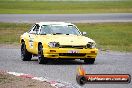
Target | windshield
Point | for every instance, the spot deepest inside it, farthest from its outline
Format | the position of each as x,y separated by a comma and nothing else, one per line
59,29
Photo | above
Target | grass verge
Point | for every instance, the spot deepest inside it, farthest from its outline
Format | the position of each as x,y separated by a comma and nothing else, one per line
10,32
63,7
112,36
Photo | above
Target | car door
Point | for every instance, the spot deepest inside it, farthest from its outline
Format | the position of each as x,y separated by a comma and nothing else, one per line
32,38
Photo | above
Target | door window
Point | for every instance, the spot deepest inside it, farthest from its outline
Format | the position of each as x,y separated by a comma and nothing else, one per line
34,29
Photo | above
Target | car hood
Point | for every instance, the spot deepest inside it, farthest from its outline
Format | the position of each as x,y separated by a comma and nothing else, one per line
68,39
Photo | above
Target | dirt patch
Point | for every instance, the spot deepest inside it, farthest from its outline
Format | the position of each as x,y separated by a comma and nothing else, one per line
10,81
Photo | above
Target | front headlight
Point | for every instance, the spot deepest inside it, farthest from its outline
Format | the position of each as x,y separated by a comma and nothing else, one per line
53,44
91,45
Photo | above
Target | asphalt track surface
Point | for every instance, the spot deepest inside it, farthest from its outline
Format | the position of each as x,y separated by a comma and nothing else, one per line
74,18
106,63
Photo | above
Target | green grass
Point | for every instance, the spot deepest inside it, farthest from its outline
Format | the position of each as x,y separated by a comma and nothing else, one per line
112,36
52,7
10,32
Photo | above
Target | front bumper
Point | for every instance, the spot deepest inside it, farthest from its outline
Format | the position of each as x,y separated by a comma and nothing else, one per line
70,53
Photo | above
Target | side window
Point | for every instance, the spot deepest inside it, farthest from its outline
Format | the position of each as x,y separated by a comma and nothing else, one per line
34,29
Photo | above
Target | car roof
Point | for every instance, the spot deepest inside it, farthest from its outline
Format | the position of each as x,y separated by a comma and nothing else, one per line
54,23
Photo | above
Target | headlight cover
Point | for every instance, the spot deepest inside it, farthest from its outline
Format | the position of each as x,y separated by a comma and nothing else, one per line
53,44
91,45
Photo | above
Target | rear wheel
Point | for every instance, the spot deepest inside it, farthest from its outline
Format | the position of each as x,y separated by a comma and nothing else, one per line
89,60
25,55
41,58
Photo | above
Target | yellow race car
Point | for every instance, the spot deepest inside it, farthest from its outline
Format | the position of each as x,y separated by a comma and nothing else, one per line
57,40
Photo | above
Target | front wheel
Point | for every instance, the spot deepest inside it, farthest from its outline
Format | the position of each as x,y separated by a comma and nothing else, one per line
89,60
41,58
25,55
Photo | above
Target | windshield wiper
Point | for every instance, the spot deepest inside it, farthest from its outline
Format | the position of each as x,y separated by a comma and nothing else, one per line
57,33
43,34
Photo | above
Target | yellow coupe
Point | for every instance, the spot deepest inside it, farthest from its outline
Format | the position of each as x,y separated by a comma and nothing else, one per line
57,40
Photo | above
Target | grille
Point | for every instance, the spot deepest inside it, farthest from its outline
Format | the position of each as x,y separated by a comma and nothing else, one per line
72,54
69,46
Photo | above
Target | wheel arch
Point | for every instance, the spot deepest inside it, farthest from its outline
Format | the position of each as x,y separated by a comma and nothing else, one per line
22,40
39,43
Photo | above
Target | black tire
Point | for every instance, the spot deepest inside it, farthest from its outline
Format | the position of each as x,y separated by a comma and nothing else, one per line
41,58
25,55
89,60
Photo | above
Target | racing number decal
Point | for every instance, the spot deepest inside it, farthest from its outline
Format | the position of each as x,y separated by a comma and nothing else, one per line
31,42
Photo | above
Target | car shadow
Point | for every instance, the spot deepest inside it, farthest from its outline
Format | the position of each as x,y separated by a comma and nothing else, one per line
63,62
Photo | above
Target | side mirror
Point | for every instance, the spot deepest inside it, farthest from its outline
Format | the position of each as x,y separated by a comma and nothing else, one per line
84,33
